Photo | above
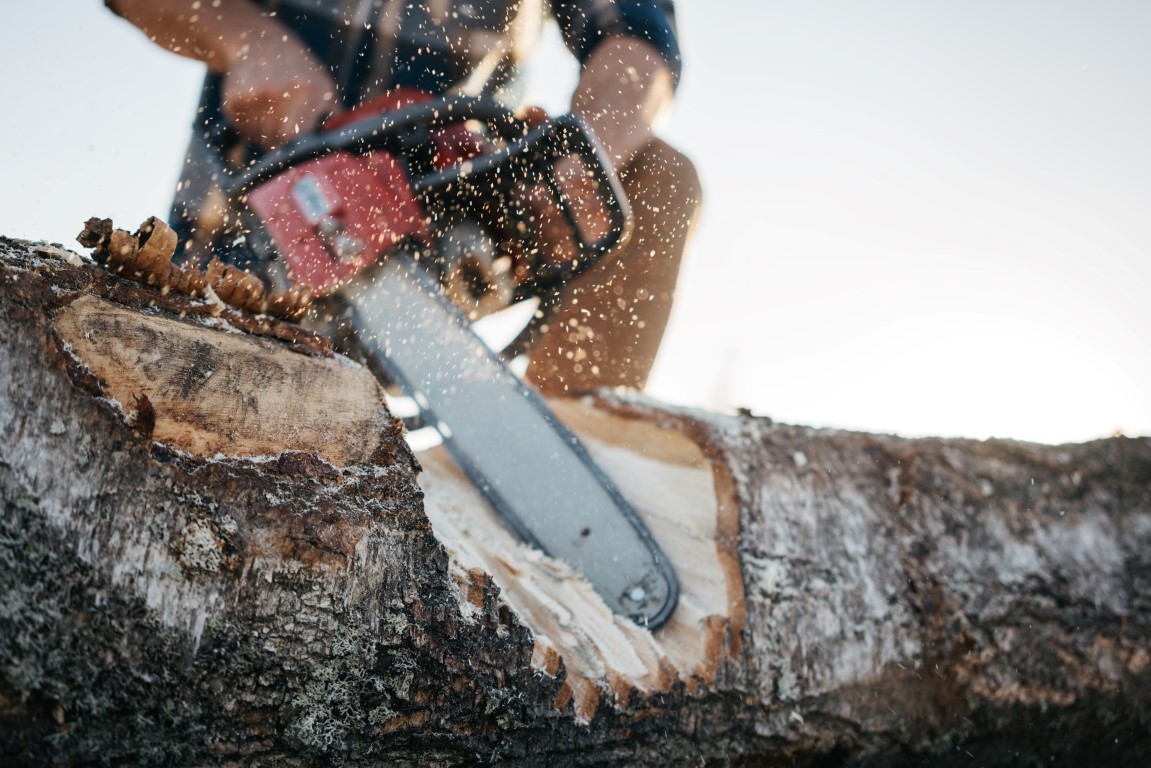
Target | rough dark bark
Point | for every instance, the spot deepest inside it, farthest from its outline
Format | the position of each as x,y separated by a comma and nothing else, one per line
936,601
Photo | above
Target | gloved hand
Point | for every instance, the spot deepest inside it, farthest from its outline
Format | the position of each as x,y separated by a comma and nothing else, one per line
552,231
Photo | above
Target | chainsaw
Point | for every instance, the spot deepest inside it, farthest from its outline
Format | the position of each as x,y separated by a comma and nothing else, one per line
408,216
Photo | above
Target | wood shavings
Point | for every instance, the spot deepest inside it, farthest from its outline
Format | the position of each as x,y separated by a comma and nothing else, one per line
157,244
122,251
146,257
190,282
292,304
226,291
236,287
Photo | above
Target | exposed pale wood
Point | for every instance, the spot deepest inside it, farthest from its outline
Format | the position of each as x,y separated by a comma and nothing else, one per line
226,394
673,487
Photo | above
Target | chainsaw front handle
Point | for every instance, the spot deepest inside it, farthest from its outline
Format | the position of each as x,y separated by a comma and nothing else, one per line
535,154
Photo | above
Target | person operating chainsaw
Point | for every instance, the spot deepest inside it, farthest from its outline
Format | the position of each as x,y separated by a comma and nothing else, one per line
279,68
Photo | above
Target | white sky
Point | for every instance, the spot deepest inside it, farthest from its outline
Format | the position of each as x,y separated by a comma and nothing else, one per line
921,217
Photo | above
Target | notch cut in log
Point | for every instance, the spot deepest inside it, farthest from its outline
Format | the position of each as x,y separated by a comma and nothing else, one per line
862,598
684,498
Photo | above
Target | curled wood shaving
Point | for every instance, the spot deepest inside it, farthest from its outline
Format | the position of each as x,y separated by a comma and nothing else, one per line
122,249
291,304
236,287
144,256
190,282
157,244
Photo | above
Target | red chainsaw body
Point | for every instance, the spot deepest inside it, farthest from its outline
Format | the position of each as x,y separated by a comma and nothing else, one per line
333,216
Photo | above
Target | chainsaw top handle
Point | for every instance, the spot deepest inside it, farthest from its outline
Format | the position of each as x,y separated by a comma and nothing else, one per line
527,155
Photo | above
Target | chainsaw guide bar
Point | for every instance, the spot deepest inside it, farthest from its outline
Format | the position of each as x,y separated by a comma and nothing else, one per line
532,469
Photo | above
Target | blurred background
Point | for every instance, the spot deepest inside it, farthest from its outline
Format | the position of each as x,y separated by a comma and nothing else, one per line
920,218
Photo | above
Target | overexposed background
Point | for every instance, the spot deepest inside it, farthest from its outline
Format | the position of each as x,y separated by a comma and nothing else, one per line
921,217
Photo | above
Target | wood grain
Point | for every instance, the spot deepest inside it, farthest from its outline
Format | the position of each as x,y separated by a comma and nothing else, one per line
226,394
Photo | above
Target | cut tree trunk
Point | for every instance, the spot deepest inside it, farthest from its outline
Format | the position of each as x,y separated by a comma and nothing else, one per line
216,547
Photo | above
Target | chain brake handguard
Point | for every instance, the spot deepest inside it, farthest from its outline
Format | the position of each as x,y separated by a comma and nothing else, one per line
533,159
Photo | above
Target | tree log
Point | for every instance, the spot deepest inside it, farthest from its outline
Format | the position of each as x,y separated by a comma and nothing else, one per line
217,548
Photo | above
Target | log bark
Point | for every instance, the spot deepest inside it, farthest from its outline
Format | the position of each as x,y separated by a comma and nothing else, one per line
251,567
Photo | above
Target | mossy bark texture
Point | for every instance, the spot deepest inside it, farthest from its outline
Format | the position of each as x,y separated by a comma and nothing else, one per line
949,602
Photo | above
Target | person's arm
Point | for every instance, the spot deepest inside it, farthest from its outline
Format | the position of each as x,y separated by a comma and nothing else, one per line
274,88
630,58
624,85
